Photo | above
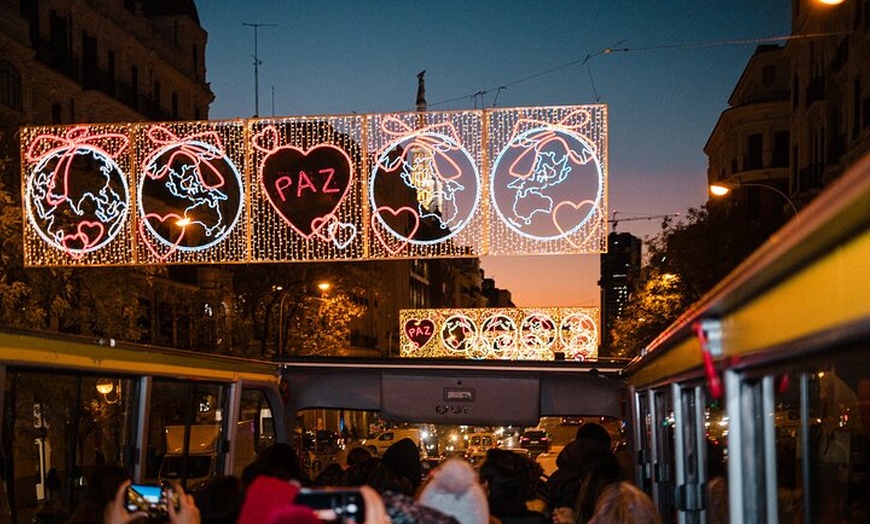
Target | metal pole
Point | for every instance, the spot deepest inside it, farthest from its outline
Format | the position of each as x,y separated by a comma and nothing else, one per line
281,324
775,190
256,66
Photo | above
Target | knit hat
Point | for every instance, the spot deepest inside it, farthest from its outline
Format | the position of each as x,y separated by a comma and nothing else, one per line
454,490
270,500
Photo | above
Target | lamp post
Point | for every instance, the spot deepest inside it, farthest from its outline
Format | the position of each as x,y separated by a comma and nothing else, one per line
281,322
722,189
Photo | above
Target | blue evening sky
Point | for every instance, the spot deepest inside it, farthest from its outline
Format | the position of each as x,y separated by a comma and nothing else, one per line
674,65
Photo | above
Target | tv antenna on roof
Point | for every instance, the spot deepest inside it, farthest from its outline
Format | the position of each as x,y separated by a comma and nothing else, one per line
615,221
257,66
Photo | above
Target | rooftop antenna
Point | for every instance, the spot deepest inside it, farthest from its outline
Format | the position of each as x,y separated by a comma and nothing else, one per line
257,66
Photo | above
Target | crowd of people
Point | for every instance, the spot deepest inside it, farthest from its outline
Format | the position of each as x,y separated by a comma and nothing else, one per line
589,486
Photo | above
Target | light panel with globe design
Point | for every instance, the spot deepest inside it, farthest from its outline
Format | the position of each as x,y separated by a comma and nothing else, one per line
511,181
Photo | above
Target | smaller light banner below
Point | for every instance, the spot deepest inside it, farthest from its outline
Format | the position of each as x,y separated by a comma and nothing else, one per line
500,333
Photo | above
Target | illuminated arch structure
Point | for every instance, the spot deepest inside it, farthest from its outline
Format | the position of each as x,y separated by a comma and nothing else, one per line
500,333
402,185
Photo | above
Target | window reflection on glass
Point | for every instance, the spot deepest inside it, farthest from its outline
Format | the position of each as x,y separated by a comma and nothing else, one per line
664,455
64,425
184,432
717,462
787,424
255,429
839,413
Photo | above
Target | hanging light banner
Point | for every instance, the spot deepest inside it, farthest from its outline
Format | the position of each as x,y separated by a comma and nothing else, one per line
380,186
500,333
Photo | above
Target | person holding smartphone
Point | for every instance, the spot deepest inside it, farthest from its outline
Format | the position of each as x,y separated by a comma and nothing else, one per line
105,501
179,506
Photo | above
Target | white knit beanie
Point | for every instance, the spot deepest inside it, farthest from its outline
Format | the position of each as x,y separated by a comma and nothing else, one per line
454,490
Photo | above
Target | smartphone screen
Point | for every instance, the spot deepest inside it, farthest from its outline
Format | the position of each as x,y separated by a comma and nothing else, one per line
341,506
145,497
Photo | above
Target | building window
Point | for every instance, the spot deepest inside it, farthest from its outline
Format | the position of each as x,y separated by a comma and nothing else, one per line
768,75
10,85
56,113
780,148
753,158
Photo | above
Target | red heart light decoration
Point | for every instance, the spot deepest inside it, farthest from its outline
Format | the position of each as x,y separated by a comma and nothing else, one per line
75,245
87,235
306,187
401,243
419,331
147,241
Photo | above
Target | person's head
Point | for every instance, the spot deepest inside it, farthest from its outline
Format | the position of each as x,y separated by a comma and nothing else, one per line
331,475
595,432
219,500
278,460
453,489
604,472
374,473
403,457
357,455
269,500
101,490
511,479
625,503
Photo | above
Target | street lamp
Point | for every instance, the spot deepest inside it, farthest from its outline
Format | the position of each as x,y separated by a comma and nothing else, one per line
722,189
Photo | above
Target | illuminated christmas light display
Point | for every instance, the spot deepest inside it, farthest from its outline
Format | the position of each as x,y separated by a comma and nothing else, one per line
400,185
76,195
190,194
500,333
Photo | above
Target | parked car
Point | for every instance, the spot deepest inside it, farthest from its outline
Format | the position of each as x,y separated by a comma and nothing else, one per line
535,440
383,440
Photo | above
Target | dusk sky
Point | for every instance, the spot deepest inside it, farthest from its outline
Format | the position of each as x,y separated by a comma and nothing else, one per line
673,66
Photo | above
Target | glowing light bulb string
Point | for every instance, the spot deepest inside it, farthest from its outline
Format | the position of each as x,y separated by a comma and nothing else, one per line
614,49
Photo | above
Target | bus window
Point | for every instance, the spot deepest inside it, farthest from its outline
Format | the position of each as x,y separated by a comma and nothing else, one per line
838,406
185,430
689,473
255,429
663,462
787,422
325,436
716,426
61,427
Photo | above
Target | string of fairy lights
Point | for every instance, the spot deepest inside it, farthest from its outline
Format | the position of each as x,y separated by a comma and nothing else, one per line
510,181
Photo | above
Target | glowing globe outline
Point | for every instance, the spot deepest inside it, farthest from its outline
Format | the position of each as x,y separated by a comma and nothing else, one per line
525,339
584,349
490,341
468,344
118,224
230,225
523,137
381,160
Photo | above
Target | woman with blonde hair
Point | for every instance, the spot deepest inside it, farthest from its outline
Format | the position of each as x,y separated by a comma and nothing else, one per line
624,503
